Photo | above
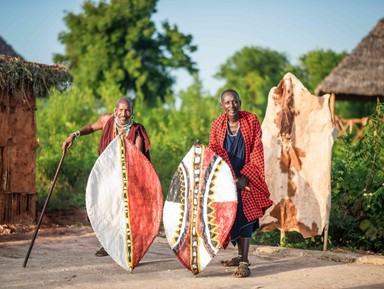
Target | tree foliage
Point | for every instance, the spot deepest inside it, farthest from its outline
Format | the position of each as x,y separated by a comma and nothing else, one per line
116,41
54,124
317,64
357,215
252,72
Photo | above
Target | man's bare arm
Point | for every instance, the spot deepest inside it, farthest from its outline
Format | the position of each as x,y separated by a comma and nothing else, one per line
87,129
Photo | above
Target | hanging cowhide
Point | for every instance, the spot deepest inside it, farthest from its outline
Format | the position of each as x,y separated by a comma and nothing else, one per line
298,135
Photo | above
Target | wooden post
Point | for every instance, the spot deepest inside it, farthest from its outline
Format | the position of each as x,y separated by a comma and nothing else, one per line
332,106
282,236
325,242
282,224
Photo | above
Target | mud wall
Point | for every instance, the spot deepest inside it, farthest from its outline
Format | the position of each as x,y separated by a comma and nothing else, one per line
18,147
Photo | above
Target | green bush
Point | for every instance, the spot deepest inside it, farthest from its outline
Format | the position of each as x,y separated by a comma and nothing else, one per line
357,216
57,117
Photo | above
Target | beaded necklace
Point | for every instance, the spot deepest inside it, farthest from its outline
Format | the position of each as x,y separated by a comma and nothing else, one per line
229,131
125,128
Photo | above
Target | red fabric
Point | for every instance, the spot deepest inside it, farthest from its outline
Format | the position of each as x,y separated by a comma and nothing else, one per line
136,130
257,200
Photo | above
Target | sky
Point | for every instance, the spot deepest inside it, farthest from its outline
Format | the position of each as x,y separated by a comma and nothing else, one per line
220,28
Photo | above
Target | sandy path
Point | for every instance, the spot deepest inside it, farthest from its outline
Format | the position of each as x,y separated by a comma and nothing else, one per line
65,259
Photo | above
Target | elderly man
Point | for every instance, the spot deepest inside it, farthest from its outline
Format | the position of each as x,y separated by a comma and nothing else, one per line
236,137
120,122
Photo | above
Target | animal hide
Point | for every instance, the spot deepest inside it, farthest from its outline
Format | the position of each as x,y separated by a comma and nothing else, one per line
298,135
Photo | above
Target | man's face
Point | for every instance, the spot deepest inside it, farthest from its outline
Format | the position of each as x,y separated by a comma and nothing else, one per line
230,103
123,112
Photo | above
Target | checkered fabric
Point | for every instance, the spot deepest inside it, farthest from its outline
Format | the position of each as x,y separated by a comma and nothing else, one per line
257,200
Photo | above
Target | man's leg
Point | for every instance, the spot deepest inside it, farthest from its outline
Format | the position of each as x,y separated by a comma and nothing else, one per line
243,269
235,261
243,249
240,248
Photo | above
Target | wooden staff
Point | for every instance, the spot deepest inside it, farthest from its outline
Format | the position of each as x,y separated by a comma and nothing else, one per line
45,206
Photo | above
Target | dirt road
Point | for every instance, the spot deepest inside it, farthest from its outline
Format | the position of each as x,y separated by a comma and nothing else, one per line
64,258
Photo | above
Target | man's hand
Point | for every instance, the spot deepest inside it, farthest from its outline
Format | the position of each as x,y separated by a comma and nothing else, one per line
68,142
242,183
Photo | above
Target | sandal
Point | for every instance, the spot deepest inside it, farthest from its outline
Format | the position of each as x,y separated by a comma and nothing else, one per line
101,252
242,271
234,262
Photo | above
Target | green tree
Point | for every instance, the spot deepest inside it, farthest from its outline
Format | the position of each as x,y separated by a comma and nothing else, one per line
317,64
117,42
252,72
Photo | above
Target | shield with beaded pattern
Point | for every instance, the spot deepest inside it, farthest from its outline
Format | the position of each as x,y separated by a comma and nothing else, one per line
200,207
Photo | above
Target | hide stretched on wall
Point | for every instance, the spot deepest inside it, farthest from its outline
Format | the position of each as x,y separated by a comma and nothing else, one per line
298,135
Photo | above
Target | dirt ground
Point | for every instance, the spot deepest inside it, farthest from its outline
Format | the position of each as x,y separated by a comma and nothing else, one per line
63,257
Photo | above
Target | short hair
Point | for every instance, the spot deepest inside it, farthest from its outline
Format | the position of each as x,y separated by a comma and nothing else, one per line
128,100
231,91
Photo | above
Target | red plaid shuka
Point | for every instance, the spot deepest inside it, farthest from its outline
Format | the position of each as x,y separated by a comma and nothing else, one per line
257,200
136,130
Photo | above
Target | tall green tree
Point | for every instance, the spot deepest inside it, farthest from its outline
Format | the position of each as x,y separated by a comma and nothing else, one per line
252,72
117,42
317,64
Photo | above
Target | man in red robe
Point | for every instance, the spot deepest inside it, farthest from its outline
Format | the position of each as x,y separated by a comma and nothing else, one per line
236,137
120,122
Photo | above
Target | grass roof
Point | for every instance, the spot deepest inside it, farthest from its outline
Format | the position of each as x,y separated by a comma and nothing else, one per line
361,74
28,79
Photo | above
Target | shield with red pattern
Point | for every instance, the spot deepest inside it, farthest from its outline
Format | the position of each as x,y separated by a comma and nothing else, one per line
200,207
124,202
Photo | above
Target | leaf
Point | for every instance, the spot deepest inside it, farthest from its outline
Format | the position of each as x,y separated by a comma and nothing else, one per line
365,225
371,233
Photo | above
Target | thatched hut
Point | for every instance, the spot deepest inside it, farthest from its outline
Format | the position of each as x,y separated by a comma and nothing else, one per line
20,83
359,77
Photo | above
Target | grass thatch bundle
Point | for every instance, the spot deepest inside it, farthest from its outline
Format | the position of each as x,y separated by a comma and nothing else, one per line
23,79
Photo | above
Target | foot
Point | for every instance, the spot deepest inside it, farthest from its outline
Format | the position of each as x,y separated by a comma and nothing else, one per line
101,252
242,271
234,262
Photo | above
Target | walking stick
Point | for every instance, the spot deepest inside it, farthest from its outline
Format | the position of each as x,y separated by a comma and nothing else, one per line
45,206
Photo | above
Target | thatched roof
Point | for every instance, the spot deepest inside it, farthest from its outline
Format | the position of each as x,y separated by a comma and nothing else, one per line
22,79
360,76
7,49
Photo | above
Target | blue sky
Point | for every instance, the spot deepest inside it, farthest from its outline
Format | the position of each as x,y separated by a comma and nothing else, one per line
219,28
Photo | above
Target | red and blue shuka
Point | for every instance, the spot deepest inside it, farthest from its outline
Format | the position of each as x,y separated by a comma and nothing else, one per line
256,200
